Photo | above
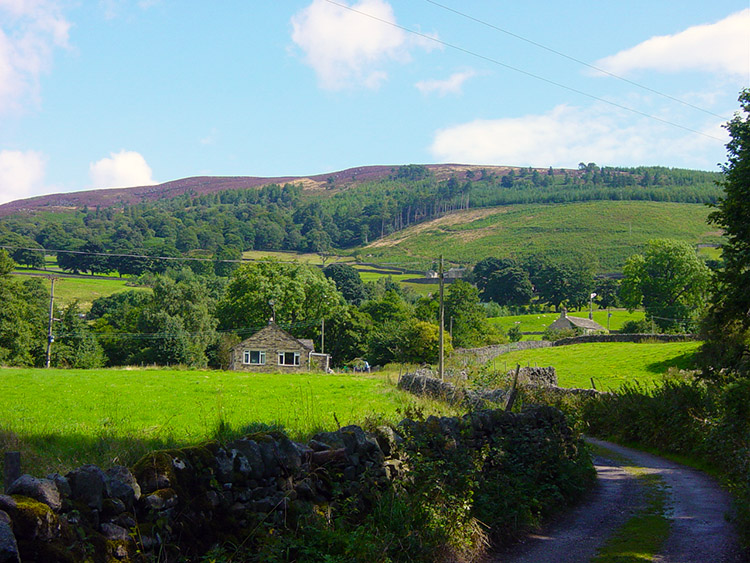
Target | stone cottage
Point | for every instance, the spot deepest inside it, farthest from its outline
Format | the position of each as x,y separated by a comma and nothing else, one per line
588,326
272,349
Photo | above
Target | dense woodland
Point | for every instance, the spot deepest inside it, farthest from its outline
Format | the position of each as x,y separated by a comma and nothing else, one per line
222,225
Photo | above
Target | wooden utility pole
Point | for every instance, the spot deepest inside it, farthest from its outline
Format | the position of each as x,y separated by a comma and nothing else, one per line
50,338
441,365
322,336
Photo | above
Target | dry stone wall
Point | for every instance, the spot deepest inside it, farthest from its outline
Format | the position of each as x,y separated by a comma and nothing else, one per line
177,504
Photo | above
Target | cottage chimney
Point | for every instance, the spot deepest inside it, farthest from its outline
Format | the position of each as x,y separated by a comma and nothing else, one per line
564,313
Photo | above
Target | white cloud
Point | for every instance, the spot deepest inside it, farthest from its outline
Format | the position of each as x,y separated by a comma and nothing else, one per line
451,85
568,135
29,32
21,174
121,170
720,47
345,47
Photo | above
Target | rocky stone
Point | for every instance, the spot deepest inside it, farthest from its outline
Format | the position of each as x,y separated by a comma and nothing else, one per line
62,484
354,438
269,452
113,532
5,517
251,452
88,484
7,503
8,546
121,484
224,466
288,455
388,440
43,490
161,499
33,520
112,507
331,439
327,457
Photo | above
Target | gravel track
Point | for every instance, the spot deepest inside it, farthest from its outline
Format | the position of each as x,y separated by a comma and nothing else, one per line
697,508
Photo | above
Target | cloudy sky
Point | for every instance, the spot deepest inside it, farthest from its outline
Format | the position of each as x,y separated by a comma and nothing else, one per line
122,93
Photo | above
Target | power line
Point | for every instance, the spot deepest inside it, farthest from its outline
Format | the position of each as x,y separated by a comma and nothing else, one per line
525,72
574,59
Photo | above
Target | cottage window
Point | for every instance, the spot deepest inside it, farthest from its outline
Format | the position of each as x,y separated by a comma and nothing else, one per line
288,358
254,357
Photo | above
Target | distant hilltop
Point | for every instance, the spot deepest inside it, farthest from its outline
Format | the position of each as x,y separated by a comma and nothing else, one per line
198,185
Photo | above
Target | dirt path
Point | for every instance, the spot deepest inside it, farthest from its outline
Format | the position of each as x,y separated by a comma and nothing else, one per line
700,532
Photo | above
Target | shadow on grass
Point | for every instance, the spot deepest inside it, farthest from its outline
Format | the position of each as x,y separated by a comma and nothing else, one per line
683,361
47,453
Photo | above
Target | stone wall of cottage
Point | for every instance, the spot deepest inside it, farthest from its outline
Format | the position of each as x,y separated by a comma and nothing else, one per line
271,344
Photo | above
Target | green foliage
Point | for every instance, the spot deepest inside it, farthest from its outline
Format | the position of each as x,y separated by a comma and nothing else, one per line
727,329
408,341
7,265
348,282
607,293
23,321
642,326
514,333
301,297
671,283
567,282
347,334
75,345
465,315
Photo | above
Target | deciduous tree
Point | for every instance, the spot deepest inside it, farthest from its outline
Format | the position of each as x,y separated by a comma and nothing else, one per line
669,281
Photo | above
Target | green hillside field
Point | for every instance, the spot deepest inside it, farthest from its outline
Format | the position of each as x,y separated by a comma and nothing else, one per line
538,322
606,231
60,419
610,364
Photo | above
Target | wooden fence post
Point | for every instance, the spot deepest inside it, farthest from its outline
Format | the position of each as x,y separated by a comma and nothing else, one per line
12,468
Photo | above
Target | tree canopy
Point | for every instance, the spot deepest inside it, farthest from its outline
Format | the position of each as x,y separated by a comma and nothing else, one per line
726,331
669,281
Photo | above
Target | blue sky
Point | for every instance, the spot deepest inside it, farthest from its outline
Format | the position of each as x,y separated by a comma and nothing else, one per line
122,93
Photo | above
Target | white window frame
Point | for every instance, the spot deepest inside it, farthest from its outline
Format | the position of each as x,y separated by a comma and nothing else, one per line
247,357
282,359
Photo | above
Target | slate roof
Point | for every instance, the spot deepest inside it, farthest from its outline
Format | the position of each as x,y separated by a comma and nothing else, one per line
585,323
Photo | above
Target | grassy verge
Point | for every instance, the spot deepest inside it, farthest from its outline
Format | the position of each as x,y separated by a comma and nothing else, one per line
641,537
60,419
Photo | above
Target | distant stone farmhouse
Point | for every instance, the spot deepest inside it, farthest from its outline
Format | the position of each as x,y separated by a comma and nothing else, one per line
564,322
272,349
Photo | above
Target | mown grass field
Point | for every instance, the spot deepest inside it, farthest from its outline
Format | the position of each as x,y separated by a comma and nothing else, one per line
607,231
610,364
61,419
540,321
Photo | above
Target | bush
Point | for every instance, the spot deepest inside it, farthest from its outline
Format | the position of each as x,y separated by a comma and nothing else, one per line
554,334
638,327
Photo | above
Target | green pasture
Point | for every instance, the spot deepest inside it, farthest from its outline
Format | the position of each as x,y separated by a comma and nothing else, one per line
610,364
304,257
60,419
538,322
85,290
607,231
